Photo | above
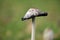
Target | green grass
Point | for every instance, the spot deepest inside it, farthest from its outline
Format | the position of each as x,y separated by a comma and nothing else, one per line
11,12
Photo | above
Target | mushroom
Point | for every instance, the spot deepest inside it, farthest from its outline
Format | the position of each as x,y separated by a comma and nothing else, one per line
48,34
31,14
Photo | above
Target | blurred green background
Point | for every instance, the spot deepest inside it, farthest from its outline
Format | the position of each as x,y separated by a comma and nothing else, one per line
11,12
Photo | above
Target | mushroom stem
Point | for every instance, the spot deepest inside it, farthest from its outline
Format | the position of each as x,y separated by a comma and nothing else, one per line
33,29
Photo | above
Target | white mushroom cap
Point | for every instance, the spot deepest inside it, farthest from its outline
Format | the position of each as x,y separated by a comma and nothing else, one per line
33,12
30,12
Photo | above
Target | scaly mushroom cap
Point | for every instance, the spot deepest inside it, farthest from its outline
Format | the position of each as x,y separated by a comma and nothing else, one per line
33,12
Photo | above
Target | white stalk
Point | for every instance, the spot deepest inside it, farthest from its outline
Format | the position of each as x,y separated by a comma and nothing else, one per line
33,29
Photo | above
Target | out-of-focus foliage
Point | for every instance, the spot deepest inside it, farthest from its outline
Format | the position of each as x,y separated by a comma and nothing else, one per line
11,26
